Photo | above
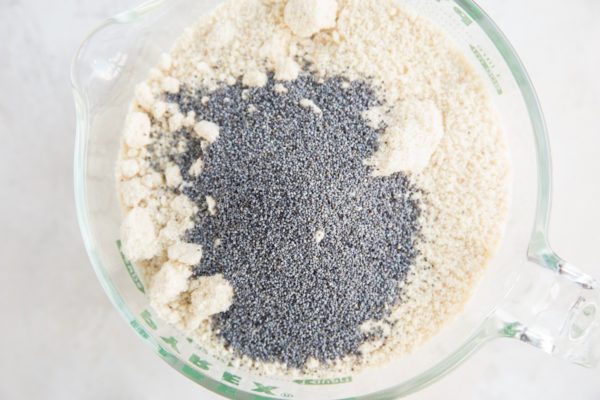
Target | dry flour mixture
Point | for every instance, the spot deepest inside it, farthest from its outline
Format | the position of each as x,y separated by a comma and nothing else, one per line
310,185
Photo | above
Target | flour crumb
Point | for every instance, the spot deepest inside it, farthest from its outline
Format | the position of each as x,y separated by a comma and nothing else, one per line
189,120
213,295
183,206
152,180
319,235
307,17
129,168
139,235
312,363
144,96
158,109
274,49
254,78
170,85
230,80
133,192
307,103
196,168
374,117
287,70
171,233
207,130
211,203
202,68
168,283
176,122
173,176
223,33
280,89
137,130
412,136
185,253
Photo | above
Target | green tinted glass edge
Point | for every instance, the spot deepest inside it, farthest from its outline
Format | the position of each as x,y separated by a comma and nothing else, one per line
538,244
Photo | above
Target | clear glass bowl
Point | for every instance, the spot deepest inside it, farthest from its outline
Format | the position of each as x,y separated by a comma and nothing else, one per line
555,308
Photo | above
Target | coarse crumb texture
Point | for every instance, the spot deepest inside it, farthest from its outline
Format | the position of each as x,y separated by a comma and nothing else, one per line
437,126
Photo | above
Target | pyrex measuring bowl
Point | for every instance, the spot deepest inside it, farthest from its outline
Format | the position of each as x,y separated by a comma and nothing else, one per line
528,293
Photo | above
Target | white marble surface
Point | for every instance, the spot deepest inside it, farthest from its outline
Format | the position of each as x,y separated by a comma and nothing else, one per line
61,339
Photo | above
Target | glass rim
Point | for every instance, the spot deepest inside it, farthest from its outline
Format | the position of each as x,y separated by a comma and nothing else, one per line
538,244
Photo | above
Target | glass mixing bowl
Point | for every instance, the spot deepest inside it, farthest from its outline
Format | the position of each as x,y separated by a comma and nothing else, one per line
528,293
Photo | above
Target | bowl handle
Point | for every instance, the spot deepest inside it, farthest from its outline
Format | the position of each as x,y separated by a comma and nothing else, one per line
556,309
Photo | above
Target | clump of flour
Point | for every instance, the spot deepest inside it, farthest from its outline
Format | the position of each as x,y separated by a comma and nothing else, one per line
307,17
413,130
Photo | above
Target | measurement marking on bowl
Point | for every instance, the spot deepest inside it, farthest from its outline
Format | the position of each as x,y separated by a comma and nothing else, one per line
130,269
227,390
463,16
231,378
488,66
260,388
236,380
171,341
140,329
147,317
192,373
199,362
332,381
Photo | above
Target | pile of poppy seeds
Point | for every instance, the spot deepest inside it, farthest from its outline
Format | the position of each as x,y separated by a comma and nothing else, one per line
312,244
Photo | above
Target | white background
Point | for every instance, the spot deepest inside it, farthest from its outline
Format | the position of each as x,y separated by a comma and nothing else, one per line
61,339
